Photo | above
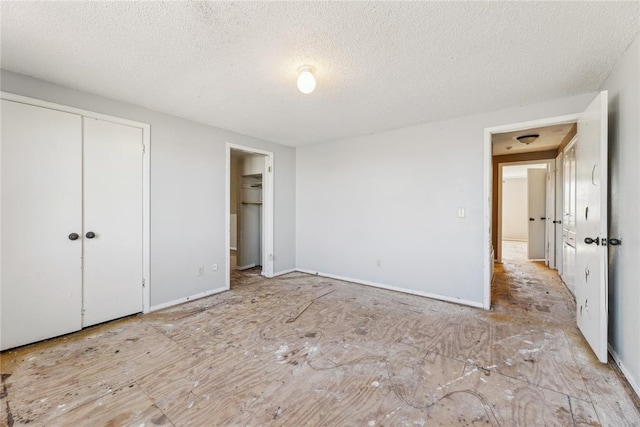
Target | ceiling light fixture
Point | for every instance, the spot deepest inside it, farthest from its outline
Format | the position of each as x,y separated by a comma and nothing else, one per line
527,139
306,80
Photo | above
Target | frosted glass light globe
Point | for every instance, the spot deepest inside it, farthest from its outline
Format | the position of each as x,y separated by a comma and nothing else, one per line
306,80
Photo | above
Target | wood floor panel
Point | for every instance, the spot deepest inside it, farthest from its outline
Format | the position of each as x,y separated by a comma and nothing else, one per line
306,350
48,380
127,406
611,400
513,402
176,385
460,337
540,357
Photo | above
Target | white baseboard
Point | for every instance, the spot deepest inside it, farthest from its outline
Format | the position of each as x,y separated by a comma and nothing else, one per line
245,267
632,382
283,272
187,299
395,288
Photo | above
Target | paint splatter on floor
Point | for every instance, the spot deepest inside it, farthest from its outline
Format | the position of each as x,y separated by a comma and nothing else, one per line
352,355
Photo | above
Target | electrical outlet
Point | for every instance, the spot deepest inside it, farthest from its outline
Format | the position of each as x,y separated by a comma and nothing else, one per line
215,267
201,271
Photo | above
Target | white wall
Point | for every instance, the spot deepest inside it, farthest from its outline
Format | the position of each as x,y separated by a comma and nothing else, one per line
393,196
624,155
187,190
515,222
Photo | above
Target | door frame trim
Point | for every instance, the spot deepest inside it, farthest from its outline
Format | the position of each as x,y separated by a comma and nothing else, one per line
487,187
267,210
498,250
146,181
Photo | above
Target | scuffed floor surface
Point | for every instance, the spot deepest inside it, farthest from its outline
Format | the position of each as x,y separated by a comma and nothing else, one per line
304,350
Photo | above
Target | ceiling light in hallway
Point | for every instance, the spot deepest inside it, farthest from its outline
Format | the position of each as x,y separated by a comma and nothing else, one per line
527,139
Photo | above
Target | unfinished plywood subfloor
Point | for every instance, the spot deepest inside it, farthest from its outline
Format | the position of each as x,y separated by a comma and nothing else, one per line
305,350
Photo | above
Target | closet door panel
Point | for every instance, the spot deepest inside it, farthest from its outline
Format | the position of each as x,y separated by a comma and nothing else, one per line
112,272
41,290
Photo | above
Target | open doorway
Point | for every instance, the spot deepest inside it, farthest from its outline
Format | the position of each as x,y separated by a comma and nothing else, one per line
523,216
538,191
528,201
526,219
249,213
590,195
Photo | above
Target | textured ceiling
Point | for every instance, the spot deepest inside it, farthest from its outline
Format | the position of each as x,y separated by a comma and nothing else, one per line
380,65
550,138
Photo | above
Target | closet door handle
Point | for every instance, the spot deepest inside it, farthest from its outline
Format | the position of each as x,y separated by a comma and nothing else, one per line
74,236
90,235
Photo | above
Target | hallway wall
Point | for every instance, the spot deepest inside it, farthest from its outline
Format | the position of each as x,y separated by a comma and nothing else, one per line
514,209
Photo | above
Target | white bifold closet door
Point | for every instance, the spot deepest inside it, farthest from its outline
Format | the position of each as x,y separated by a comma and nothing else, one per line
41,289
112,203
71,222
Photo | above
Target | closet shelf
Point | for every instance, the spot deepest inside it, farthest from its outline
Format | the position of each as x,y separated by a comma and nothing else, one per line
251,203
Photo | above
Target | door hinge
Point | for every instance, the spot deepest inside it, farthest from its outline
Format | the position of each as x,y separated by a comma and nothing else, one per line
143,283
143,148
269,168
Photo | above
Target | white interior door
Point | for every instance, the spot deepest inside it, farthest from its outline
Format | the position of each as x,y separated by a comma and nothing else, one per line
557,217
536,206
112,267
550,237
591,225
569,216
41,292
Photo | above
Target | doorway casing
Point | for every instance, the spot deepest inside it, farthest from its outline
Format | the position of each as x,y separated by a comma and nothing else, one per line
267,211
488,184
501,165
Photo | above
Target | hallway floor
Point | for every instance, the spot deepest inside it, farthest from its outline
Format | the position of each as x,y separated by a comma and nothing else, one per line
530,290
306,350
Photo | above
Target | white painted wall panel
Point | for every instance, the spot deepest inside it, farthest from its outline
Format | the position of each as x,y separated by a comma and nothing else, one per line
624,154
393,197
514,209
187,190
